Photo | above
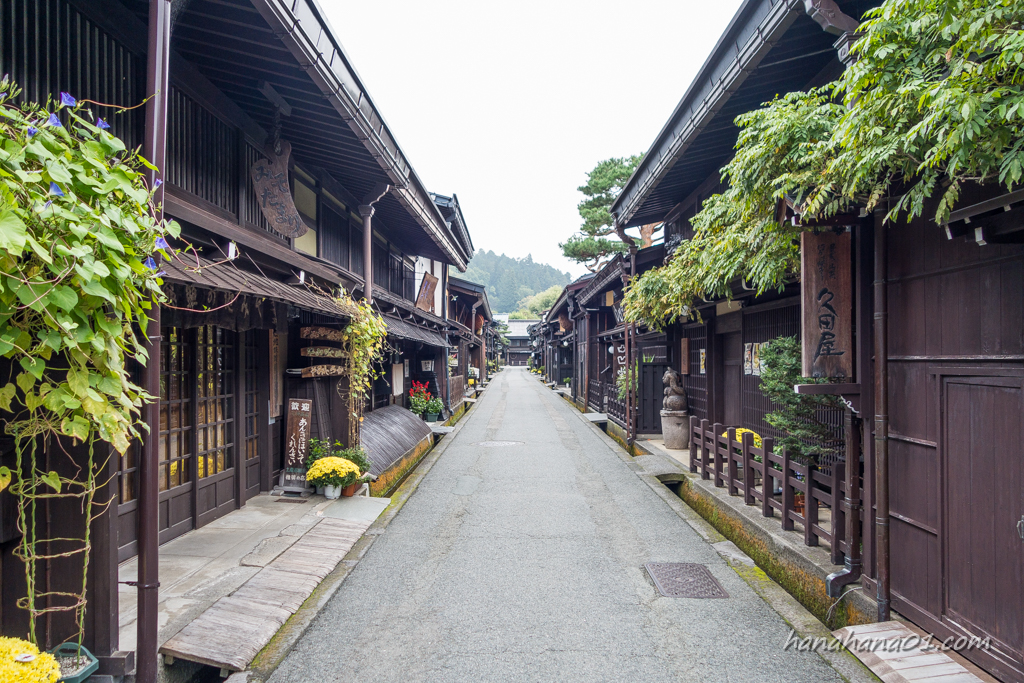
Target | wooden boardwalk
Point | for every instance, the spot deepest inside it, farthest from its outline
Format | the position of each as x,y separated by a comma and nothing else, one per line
234,629
903,665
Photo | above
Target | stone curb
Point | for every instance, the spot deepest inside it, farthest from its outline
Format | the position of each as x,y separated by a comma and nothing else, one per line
271,656
796,615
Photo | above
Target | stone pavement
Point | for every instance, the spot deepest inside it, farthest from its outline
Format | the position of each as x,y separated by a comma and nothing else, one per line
520,558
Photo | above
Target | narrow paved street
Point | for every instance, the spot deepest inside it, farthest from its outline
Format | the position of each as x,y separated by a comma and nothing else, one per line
525,562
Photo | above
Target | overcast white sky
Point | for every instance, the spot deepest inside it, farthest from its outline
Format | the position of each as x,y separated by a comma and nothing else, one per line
508,105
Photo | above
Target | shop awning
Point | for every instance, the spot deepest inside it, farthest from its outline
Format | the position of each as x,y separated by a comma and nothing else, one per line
403,330
229,278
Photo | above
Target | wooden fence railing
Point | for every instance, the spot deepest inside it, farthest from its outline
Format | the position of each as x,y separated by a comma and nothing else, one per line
595,395
773,481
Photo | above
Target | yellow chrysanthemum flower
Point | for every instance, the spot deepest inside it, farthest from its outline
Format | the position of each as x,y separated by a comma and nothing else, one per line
332,472
41,668
741,431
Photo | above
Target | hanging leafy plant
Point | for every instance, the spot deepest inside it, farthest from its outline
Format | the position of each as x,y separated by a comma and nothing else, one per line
364,341
78,241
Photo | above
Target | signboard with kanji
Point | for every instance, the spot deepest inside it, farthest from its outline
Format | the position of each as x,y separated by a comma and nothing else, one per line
300,411
827,305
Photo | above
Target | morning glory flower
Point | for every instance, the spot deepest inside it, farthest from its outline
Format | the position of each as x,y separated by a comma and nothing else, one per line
158,183
150,263
3,95
162,244
47,204
102,124
55,188
161,273
32,130
67,100
54,121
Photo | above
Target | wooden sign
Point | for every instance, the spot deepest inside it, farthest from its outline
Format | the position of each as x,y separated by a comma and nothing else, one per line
300,412
609,298
322,352
827,305
322,334
425,299
315,371
270,183
684,356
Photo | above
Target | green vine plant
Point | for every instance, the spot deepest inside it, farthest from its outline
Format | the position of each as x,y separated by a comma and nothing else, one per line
624,381
364,342
79,243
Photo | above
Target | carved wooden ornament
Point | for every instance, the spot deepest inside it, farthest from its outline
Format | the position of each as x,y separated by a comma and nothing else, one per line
270,181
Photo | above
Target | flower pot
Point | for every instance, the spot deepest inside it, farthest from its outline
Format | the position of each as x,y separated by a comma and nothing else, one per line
798,503
431,417
350,490
319,490
675,428
332,492
84,670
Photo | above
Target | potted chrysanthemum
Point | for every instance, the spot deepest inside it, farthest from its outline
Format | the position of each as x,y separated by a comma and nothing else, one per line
333,474
433,409
22,662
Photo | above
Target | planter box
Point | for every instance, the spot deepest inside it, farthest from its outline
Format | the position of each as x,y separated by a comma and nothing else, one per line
71,650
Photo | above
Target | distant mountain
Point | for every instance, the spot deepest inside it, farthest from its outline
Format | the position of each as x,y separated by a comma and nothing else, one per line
510,280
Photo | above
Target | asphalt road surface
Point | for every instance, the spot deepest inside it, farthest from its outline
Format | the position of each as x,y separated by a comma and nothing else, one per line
524,562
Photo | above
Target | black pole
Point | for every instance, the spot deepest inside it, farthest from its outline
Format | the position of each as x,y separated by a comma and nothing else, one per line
155,144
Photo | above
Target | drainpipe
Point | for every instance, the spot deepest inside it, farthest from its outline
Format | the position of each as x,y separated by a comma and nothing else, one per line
881,416
155,147
851,570
366,210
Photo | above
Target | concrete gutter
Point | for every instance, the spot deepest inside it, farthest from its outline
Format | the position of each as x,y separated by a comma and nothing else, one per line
267,661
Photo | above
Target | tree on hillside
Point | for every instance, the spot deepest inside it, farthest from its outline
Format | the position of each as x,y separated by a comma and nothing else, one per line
532,307
509,280
592,246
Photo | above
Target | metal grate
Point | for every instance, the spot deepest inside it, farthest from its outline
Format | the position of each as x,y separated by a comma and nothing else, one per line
684,580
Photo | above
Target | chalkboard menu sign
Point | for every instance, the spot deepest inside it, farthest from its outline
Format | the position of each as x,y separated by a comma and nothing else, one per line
296,444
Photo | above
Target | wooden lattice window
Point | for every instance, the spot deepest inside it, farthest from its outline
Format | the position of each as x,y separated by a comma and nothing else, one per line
252,411
215,400
175,414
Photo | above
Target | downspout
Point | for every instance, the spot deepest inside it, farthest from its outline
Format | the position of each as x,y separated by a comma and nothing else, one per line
630,392
366,210
881,416
155,147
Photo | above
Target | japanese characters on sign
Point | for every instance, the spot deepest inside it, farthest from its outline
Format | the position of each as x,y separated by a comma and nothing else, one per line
297,443
270,182
827,301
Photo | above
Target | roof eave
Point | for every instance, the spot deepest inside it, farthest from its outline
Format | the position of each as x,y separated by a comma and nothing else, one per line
680,129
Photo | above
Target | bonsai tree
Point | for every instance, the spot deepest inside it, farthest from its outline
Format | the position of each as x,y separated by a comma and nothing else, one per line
799,416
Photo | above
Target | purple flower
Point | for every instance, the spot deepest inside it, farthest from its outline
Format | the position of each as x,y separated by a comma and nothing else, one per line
32,130
55,188
161,273
158,183
102,124
54,121
3,95
47,204
162,244
67,100
150,263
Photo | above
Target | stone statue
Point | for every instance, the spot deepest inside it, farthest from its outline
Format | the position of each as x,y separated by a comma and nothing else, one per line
675,394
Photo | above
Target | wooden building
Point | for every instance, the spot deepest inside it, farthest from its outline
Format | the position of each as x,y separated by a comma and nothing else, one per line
469,319
257,89
520,345
950,405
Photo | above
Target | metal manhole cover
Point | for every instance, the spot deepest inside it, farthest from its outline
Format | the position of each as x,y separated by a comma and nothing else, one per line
498,444
685,580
